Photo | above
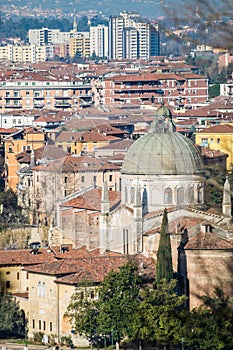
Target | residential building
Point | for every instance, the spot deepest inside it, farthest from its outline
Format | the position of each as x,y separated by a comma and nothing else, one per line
46,182
180,91
23,53
22,140
99,41
80,45
132,37
45,36
77,142
27,91
218,138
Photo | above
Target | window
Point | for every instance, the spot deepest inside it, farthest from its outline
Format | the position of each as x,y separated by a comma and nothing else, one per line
44,324
27,276
39,324
8,284
180,195
218,140
168,196
211,140
27,93
33,323
82,178
66,179
110,177
50,326
17,275
8,272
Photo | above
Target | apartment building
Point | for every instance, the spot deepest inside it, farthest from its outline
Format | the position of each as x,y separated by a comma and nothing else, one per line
181,91
130,36
45,36
23,139
80,45
43,182
39,90
23,53
99,40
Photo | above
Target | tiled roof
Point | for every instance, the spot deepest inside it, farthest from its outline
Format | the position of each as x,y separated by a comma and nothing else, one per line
75,136
208,240
93,268
118,145
218,129
49,152
24,257
91,200
75,164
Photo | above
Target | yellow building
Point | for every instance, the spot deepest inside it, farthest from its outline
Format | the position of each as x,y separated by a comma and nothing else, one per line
218,137
23,53
78,142
18,142
80,45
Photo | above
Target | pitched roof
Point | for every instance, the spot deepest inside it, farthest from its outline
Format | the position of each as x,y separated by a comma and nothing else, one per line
24,257
208,240
218,129
91,200
75,164
75,136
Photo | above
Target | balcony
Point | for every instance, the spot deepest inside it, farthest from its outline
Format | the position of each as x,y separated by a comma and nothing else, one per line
38,105
13,97
62,104
13,106
57,97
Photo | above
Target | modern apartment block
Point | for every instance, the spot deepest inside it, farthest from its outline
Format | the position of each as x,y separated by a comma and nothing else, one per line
37,92
23,53
181,91
130,36
99,41
45,36
80,45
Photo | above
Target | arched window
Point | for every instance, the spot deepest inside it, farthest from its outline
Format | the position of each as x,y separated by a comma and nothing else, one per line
180,195
168,196
191,195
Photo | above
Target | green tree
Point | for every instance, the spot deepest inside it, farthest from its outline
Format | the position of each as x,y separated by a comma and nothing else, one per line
164,268
83,312
112,316
209,327
12,320
162,314
119,300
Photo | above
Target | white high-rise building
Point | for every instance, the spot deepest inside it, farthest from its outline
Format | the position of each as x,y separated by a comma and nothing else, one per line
45,36
130,36
99,41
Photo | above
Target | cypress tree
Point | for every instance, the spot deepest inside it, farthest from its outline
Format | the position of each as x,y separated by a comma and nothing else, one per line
164,257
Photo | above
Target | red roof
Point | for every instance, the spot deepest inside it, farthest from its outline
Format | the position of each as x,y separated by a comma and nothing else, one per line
218,129
91,200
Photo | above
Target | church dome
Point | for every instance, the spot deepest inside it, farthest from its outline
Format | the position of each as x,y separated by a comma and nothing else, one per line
162,151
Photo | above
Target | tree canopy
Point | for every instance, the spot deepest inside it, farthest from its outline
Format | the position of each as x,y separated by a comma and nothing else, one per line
12,320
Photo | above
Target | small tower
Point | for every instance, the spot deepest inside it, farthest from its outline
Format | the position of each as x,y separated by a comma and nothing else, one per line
75,24
104,220
226,203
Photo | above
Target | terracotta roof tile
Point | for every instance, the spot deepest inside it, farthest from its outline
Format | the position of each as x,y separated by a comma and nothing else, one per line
91,200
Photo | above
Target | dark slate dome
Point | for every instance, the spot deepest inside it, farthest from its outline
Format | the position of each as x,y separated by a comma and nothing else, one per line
163,151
